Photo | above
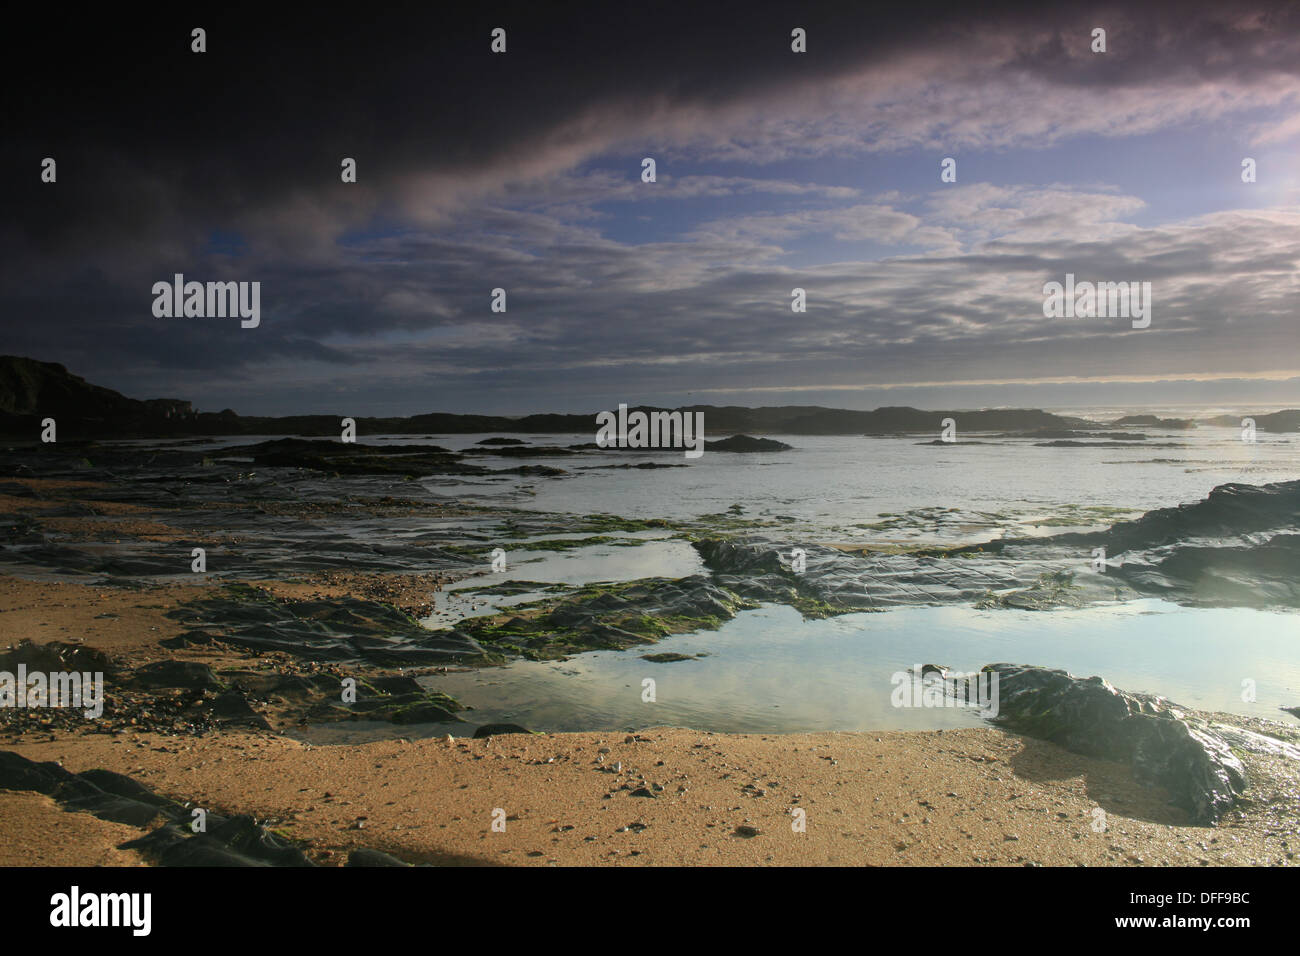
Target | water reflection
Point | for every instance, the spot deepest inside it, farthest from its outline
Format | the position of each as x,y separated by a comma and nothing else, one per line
770,671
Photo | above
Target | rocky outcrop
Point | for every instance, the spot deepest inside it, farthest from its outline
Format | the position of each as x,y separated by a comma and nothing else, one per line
607,616
499,730
1153,421
356,459
1227,512
176,697
1236,547
836,581
745,443
1163,745
31,391
336,628
1239,547
1287,420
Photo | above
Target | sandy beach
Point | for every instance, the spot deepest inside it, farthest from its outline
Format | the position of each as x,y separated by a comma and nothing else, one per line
664,796
945,798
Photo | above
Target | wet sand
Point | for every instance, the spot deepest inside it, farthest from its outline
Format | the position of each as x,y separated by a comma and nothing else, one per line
115,620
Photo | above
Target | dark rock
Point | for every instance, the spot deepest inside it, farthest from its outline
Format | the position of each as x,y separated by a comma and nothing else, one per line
232,708
123,786
537,471
338,628
191,675
236,841
19,773
640,466
745,443
353,458
1089,716
1287,420
294,685
1237,547
497,730
1151,421
396,684
119,800
56,656
1226,512
116,809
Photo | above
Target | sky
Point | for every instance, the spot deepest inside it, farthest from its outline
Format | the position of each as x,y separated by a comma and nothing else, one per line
775,170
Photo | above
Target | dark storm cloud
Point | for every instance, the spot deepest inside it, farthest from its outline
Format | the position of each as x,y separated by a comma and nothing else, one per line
471,177
155,141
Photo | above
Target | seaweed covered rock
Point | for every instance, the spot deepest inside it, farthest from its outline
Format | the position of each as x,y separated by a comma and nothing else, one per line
337,628
750,555
607,616
1089,716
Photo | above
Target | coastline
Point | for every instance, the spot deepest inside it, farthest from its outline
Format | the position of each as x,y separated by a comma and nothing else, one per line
958,797
205,721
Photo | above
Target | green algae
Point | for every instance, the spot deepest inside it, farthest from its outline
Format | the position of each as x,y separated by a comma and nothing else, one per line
604,616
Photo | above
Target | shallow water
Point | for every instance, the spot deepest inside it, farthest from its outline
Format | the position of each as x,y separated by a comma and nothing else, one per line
599,562
770,671
838,481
